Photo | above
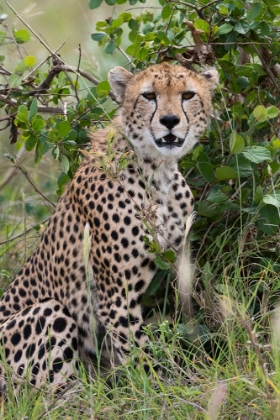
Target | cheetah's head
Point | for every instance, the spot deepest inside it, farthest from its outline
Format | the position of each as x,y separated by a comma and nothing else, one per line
164,109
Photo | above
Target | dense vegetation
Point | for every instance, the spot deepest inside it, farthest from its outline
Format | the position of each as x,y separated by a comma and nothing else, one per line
223,358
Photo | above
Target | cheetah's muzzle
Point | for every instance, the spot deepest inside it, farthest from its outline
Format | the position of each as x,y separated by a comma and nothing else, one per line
170,141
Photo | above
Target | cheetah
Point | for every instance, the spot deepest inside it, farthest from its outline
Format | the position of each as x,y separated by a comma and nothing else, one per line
79,294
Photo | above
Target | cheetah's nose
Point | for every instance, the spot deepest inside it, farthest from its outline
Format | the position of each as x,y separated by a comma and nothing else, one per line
169,121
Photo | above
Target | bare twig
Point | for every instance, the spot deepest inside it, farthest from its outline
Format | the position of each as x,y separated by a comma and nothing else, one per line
192,6
11,171
53,53
78,68
198,10
50,110
4,71
23,233
27,176
57,69
14,40
42,62
266,68
209,4
31,30
6,125
127,57
43,109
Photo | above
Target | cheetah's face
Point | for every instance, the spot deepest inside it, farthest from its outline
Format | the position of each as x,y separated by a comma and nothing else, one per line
164,109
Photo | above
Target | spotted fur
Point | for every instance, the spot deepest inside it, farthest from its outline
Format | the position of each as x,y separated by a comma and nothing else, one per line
82,288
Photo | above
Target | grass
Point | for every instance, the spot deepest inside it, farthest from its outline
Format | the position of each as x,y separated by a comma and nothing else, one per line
239,381
235,374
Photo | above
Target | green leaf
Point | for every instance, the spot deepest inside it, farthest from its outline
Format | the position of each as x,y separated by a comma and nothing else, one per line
207,171
225,29
163,37
150,36
269,220
33,109
276,144
131,49
217,197
93,4
98,36
30,143
64,162
254,12
38,123
264,28
272,199
166,11
163,265
21,36
207,209
241,165
110,47
15,81
38,151
72,135
22,114
62,180
29,61
236,143
260,113
64,129
202,25
126,16
226,172
111,2
272,112
117,22
230,41
156,282
243,82
101,24
142,54
258,194
256,154
170,255
223,9
133,24
102,89
242,27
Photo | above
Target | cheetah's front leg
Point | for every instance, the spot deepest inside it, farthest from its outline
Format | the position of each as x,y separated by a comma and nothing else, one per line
124,322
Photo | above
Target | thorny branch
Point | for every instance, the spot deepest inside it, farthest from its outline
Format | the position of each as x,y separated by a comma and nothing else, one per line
42,88
199,10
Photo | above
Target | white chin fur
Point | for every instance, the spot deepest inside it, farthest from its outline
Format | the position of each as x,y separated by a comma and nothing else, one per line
147,148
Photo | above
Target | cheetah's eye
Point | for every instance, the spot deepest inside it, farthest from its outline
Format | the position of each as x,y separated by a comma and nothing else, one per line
149,95
188,95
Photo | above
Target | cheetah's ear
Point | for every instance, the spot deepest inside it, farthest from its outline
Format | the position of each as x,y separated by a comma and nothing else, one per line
212,77
118,79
